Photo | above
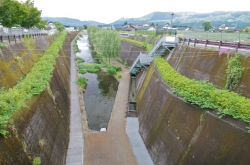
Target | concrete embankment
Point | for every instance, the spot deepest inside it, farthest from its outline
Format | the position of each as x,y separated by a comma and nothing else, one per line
177,132
42,128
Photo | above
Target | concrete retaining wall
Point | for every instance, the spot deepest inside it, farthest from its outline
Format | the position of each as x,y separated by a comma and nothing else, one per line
42,128
176,132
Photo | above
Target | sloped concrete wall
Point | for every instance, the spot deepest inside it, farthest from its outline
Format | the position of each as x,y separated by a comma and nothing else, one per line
42,128
129,52
200,64
17,60
176,132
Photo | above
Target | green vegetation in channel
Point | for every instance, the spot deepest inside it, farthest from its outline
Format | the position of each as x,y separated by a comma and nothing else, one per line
79,59
205,94
34,83
82,82
36,161
75,46
93,68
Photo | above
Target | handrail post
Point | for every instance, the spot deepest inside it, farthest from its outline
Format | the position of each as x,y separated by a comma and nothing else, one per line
237,46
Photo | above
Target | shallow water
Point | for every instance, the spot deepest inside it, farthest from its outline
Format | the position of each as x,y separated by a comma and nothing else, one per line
100,93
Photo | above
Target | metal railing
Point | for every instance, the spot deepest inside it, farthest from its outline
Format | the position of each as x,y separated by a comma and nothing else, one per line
17,34
219,44
233,36
238,37
4,31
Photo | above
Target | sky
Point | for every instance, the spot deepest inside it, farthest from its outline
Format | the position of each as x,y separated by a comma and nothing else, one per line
107,11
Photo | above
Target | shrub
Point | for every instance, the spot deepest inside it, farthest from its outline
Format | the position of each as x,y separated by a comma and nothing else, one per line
234,72
92,70
79,59
2,45
98,57
111,71
36,161
82,71
75,46
82,82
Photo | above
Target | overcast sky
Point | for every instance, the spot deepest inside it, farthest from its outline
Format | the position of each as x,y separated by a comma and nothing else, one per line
107,11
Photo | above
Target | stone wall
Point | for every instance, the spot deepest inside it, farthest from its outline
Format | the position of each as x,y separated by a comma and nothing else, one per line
42,128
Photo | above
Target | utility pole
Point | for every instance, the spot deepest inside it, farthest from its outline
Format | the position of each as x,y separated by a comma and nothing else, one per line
172,19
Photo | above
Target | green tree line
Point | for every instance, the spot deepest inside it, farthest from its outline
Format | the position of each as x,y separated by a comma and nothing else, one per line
105,41
24,14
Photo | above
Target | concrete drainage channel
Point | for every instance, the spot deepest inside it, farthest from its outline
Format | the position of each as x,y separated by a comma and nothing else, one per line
140,151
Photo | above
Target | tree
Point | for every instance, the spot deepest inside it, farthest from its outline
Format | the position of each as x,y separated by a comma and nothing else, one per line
59,26
125,23
108,43
33,15
12,13
42,24
85,27
152,24
206,26
247,30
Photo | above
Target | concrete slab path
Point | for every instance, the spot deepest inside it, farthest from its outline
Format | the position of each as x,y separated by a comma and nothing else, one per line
76,142
139,149
112,147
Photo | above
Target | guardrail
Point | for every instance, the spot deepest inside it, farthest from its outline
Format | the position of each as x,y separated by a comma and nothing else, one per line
235,45
15,38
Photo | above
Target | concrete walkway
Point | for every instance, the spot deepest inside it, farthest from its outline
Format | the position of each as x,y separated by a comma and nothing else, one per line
139,149
76,142
112,147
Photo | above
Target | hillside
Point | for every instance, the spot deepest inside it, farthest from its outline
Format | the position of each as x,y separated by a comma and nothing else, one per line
71,21
236,18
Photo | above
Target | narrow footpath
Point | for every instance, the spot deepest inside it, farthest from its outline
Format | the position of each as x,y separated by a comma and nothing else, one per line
76,143
112,147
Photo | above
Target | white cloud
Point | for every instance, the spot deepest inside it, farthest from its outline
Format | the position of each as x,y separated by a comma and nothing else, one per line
110,10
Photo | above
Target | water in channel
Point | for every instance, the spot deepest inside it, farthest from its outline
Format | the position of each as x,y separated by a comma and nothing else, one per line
101,90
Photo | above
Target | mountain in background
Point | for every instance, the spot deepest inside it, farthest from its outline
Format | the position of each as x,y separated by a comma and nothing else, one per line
238,19
71,21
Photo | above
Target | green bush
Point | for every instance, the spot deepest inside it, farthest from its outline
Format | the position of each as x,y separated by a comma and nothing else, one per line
82,71
2,45
205,94
111,71
92,70
36,161
98,57
75,46
79,59
82,82
234,72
